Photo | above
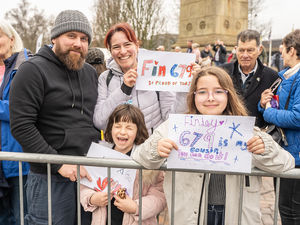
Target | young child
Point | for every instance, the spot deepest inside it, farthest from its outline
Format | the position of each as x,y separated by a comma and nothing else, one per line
212,93
125,130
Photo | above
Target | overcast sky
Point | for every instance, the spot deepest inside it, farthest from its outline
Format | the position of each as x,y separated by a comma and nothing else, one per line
283,14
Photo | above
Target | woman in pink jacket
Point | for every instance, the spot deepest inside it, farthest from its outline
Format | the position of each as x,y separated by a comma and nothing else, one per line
126,128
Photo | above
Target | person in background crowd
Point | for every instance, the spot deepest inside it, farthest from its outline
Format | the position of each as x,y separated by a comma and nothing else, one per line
95,57
206,52
12,54
52,101
177,49
196,51
220,53
160,48
288,120
263,57
127,122
117,84
212,93
250,77
277,60
232,55
189,46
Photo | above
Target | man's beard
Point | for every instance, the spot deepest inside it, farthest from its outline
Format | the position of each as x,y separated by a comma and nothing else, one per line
71,61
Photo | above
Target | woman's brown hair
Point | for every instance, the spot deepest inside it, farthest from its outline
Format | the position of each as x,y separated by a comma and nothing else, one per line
127,113
234,106
120,27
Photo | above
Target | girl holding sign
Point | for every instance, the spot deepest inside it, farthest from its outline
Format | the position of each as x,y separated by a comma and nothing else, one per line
212,93
117,85
125,130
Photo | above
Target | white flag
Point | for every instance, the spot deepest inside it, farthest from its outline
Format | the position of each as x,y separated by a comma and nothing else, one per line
39,43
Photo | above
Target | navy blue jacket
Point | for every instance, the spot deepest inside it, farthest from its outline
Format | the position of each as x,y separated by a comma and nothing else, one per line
8,143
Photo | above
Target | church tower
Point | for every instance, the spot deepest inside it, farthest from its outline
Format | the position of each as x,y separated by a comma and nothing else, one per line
205,21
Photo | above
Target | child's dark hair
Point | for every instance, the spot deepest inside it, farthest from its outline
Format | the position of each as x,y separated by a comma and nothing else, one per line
127,113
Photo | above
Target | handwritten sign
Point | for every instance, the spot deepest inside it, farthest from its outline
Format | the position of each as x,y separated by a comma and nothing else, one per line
215,143
120,178
164,71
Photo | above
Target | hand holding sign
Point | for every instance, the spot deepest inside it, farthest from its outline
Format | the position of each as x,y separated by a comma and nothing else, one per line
165,146
100,199
130,77
256,145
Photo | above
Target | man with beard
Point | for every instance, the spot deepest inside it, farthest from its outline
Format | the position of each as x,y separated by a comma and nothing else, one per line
51,107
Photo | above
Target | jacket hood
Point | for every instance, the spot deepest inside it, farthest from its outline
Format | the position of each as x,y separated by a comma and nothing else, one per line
46,52
113,65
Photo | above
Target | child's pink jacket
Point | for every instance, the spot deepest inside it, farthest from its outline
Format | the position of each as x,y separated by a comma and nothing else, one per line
153,200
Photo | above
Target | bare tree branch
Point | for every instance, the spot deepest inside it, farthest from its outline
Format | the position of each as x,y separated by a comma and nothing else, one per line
29,23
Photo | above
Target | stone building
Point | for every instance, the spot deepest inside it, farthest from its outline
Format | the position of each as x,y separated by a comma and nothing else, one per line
205,21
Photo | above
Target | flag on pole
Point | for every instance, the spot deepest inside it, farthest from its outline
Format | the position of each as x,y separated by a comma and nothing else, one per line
39,43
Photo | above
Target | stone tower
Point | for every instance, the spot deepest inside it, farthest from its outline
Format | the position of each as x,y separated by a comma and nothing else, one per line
205,21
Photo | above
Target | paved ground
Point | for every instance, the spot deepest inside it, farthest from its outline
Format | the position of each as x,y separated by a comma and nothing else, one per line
267,204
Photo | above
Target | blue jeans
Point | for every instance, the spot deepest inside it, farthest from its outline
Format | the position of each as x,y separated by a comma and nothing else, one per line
216,215
63,196
289,201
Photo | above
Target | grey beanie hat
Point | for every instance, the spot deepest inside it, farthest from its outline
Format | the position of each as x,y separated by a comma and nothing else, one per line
71,20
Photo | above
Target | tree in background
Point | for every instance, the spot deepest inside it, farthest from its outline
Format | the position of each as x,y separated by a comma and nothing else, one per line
29,23
254,9
107,13
144,16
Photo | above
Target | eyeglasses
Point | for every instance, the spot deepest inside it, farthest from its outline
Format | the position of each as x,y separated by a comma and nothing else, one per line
217,94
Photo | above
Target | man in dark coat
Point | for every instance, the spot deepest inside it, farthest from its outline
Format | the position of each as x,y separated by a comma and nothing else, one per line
250,77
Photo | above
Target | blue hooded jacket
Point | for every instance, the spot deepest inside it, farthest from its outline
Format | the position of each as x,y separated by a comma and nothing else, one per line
8,143
288,119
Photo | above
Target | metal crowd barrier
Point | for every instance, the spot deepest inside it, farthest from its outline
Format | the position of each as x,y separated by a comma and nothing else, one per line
122,163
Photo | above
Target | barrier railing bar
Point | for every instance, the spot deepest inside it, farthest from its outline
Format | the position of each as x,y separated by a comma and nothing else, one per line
206,183
78,196
140,195
242,183
109,196
276,200
49,194
124,163
173,197
21,193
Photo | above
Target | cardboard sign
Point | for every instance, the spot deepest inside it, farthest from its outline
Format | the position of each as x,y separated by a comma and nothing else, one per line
120,178
164,71
214,143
